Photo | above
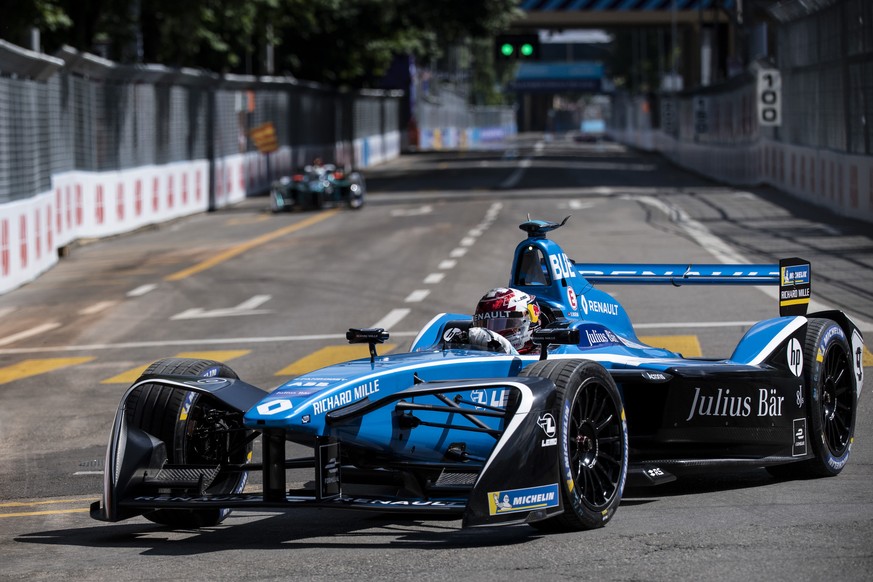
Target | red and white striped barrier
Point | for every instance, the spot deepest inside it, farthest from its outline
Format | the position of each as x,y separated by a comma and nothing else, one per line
97,204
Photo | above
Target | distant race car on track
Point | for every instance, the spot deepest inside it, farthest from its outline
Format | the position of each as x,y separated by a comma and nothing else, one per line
462,427
318,186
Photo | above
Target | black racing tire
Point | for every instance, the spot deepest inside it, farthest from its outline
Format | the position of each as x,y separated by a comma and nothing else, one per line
275,205
183,420
833,401
355,200
593,438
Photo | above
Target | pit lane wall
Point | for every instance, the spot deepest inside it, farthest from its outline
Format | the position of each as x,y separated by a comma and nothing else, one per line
91,149
86,205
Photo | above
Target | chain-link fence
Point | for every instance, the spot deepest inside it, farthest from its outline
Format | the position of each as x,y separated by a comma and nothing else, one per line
78,112
820,148
826,65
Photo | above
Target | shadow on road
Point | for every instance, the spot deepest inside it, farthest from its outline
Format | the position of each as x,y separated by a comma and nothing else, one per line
294,530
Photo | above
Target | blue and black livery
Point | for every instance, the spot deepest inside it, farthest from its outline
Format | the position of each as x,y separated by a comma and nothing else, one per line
452,430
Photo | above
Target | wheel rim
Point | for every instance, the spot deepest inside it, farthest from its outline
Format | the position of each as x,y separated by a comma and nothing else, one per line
837,402
595,445
215,437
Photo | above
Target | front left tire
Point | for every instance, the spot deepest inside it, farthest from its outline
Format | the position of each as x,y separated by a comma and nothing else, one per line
196,431
593,441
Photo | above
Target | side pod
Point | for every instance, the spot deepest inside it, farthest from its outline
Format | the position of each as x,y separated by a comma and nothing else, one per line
520,481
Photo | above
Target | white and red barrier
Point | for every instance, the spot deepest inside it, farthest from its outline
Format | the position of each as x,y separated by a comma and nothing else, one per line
92,205
97,204
841,182
230,180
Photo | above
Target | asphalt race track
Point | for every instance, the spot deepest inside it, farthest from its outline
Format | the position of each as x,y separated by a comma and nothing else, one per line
272,295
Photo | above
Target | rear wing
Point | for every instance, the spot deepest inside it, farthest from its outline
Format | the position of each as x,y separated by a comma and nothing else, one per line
792,275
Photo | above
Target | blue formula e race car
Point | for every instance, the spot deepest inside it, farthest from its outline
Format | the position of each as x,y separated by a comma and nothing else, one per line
470,430
318,186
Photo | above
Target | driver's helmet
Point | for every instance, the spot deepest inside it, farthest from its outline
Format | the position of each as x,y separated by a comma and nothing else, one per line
511,313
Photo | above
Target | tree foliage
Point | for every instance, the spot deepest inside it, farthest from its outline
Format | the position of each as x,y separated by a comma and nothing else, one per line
342,42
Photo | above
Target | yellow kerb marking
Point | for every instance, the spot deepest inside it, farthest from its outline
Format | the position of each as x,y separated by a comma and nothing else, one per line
687,345
131,375
27,368
868,358
46,502
248,245
52,512
247,220
23,504
332,355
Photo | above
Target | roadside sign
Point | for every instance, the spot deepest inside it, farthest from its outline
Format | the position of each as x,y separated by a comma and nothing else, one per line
769,97
264,137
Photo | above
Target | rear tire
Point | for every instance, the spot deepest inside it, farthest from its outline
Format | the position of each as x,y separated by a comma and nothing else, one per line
196,430
357,191
832,398
593,440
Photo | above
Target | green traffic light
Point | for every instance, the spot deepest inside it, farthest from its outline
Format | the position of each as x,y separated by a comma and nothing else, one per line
506,49
526,49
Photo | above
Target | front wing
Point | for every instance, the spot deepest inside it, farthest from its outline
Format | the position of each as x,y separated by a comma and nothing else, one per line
517,467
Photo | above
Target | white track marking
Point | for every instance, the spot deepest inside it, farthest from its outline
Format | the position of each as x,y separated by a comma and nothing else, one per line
695,324
391,319
11,339
254,302
723,252
515,177
420,211
97,307
307,338
458,253
579,205
247,307
447,264
434,278
191,342
142,290
417,295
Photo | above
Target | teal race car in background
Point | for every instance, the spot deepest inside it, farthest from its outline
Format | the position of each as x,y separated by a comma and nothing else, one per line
318,186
